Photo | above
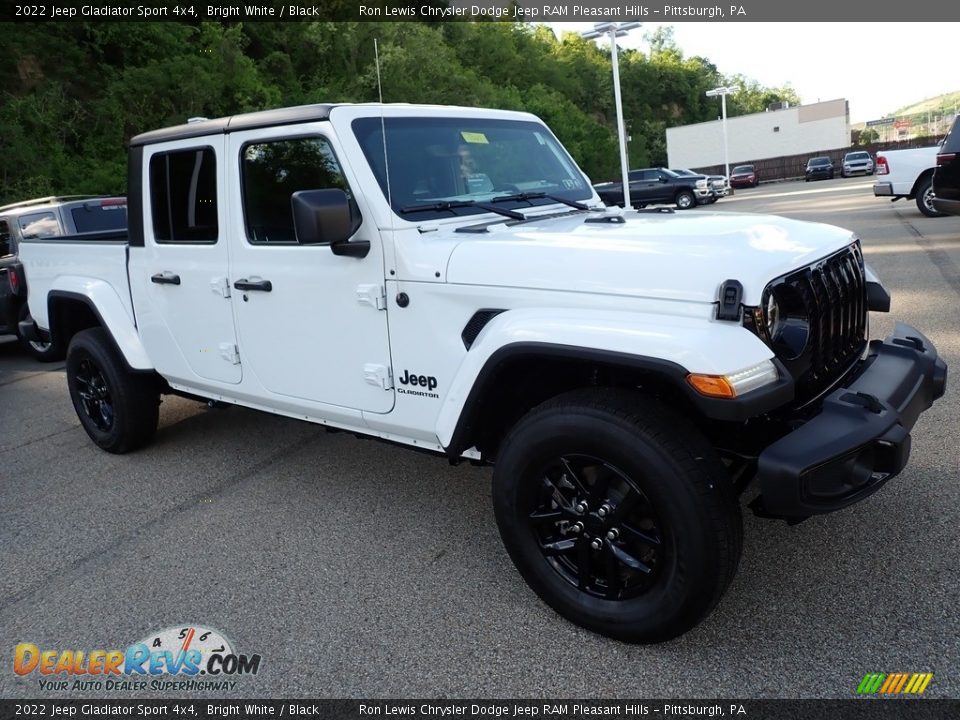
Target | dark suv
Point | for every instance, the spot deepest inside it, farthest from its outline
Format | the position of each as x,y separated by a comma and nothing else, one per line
946,176
46,217
657,185
818,167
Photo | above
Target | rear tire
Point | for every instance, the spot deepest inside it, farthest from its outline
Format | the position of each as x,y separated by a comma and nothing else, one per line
660,534
924,198
119,409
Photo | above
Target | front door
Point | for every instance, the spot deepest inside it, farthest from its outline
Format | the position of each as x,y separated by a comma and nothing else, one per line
312,325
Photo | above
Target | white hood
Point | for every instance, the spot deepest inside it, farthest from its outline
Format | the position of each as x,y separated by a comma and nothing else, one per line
679,256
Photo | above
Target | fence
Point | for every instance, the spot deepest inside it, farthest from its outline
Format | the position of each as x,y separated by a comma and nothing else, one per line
792,166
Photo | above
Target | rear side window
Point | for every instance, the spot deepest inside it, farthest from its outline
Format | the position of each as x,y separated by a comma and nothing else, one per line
952,143
183,196
39,225
5,247
272,172
100,216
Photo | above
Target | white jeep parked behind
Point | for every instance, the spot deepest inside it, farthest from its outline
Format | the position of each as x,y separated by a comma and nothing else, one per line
446,278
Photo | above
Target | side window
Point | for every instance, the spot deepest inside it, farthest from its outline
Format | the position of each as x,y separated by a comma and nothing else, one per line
5,248
272,171
183,195
649,175
39,225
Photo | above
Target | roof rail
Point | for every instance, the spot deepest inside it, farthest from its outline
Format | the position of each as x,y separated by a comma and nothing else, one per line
49,199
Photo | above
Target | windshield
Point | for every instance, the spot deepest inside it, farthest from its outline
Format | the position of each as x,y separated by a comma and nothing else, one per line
742,169
858,156
441,166
819,161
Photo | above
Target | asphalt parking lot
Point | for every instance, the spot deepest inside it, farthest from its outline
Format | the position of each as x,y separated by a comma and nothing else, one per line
359,569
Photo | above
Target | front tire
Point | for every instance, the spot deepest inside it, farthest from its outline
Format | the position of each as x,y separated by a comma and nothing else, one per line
119,409
685,200
618,514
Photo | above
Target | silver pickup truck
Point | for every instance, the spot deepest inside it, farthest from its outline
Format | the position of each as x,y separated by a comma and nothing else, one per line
53,218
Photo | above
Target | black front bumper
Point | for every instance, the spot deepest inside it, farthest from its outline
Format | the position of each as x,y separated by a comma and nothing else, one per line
861,437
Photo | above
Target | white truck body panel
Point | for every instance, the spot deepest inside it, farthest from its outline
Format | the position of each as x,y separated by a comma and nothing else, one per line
97,272
905,167
672,257
329,343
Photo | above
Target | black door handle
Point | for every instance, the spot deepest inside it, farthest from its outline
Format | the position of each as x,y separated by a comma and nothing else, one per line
165,278
261,285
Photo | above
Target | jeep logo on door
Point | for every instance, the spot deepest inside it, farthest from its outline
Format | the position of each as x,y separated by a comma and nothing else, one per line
427,382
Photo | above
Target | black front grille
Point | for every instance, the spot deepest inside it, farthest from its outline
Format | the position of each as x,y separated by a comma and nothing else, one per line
834,300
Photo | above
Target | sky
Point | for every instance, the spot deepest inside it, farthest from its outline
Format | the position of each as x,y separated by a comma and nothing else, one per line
878,67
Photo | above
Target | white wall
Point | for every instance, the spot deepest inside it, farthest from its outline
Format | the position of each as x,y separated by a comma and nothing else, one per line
802,129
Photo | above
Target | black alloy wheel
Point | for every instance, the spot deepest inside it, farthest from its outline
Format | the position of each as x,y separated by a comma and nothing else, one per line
93,393
597,528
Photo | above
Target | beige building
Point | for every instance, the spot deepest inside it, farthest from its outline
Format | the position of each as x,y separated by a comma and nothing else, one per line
776,133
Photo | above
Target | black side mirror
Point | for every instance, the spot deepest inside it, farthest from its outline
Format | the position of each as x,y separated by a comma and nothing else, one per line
323,217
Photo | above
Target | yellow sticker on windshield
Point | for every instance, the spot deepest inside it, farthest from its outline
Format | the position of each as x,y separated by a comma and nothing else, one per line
474,137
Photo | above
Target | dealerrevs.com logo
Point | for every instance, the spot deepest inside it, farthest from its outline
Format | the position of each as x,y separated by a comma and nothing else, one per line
186,657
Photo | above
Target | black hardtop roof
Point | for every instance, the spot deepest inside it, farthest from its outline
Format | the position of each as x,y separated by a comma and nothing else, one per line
246,121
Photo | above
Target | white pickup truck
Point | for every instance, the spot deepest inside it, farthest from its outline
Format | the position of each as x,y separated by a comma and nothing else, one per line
446,278
908,174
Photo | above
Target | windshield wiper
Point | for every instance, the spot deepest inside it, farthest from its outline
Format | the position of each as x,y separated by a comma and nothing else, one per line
452,204
536,195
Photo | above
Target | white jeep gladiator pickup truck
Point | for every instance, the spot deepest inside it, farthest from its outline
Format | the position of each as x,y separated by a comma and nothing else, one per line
446,278
908,174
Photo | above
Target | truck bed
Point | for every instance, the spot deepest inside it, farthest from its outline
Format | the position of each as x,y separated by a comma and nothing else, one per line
52,267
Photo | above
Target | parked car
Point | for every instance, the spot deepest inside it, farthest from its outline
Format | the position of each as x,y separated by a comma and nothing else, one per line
716,183
819,168
946,178
858,161
744,176
627,376
46,218
908,174
651,186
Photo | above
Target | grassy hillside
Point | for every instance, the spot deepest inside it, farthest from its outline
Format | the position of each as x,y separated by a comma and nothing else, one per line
946,102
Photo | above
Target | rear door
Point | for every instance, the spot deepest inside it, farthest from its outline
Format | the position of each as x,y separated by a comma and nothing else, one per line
946,177
179,276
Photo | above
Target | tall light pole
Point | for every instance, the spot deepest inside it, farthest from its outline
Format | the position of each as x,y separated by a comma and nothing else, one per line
615,30
723,92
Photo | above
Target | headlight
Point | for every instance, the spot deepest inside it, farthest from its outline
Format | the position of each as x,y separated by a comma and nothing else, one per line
701,183
785,321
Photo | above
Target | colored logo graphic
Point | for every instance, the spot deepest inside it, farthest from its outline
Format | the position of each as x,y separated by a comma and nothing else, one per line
186,651
894,683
